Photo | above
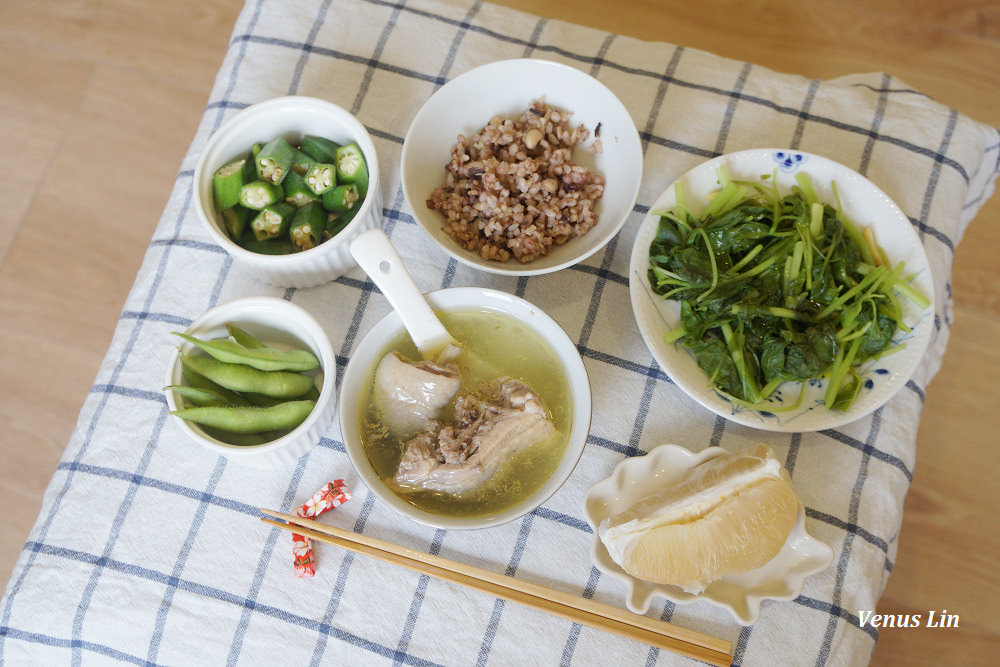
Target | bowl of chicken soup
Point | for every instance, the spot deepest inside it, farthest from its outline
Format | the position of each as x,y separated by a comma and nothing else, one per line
475,440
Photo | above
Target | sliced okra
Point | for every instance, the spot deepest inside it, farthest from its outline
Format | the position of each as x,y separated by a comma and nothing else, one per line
331,225
273,221
306,230
247,236
302,162
321,178
270,247
235,219
342,198
297,193
351,167
258,194
226,183
265,358
319,149
275,160
336,222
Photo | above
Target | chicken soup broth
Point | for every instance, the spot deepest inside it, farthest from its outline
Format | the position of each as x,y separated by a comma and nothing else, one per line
494,346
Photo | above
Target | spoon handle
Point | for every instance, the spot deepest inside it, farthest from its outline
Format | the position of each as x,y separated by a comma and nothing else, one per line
375,254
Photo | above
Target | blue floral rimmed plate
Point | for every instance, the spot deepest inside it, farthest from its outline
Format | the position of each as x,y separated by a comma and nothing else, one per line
863,203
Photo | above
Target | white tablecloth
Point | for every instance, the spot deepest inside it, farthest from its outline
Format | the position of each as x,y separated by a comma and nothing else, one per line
148,549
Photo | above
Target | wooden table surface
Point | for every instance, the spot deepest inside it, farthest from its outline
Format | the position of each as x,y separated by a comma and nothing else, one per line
100,102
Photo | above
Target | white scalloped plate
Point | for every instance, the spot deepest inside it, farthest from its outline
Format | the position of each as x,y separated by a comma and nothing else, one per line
780,579
862,202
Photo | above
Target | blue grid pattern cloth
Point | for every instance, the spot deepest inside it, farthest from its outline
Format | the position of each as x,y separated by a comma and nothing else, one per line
148,549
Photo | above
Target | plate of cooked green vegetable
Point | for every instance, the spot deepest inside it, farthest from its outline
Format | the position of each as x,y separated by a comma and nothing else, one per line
782,290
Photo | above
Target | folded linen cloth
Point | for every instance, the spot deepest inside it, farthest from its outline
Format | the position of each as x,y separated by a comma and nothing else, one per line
149,550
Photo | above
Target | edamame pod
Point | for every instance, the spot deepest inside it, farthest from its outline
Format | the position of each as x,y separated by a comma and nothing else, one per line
239,377
242,336
263,401
199,381
261,358
286,415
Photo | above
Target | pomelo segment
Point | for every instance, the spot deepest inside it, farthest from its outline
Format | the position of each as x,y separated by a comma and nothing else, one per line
731,514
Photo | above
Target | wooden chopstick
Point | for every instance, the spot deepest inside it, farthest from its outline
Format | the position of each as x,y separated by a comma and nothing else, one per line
690,643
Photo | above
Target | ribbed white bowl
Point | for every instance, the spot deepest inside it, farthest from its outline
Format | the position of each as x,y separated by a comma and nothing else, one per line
291,117
273,321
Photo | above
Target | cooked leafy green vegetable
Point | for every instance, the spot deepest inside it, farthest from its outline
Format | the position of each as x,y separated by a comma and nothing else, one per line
777,288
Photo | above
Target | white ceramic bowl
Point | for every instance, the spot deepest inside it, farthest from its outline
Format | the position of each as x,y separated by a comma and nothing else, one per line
291,117
781,578
283,324
374,345
508,87
863,203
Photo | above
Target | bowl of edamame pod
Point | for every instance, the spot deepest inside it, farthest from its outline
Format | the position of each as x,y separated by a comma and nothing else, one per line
253,380
284,186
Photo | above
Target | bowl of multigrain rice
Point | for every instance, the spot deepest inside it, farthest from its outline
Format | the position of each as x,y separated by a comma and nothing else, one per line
522,167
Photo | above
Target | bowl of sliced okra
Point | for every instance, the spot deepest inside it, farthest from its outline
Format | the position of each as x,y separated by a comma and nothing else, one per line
285,185
253,380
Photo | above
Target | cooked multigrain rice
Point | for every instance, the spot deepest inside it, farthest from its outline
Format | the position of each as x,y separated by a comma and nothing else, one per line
513,189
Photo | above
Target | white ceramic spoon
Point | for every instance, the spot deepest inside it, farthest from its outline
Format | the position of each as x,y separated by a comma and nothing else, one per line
375,254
